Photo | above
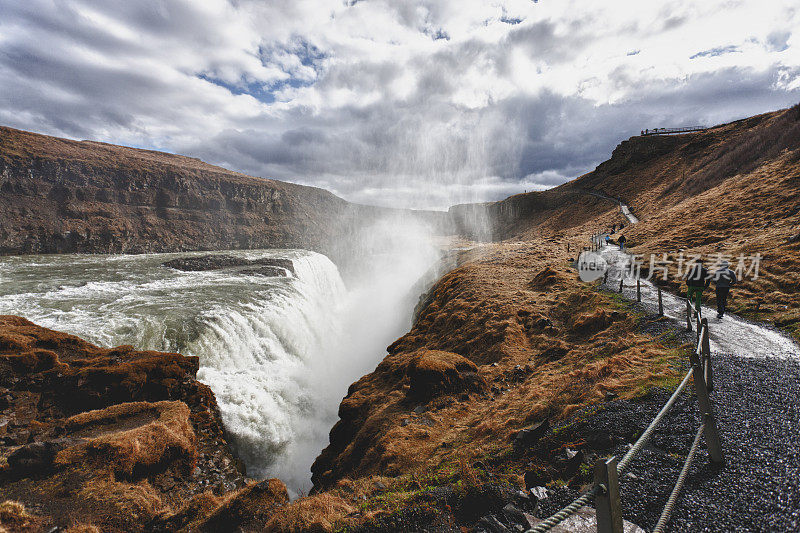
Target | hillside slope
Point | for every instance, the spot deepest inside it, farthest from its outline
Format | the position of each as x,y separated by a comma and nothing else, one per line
732,190
58,195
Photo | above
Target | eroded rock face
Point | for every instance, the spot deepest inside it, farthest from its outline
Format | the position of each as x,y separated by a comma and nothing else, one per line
60,196
120,438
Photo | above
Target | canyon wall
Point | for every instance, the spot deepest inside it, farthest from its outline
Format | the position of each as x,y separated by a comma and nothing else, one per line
60,196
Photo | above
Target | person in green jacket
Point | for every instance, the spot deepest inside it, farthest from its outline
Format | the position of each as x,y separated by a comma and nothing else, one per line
697,280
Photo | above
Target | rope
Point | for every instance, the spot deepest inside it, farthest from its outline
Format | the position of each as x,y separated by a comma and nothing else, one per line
647,432
566,512
581,501
664,518
699,349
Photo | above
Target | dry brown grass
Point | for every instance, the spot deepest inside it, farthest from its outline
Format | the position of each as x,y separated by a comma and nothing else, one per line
733,189
317,513
556,347
14,517
167,438
137,501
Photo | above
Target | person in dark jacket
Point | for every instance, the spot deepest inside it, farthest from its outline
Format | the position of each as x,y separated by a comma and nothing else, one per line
622,240
697,280
724,279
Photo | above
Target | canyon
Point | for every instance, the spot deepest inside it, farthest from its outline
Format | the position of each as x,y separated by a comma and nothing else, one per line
506,343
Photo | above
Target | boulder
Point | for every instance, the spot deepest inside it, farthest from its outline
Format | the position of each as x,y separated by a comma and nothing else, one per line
32,459
432,373
251,506
221,261
529,436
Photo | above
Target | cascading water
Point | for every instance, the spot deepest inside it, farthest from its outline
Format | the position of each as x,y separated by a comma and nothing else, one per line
279,353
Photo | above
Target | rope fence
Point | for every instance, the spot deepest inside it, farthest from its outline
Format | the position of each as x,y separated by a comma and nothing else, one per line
605,489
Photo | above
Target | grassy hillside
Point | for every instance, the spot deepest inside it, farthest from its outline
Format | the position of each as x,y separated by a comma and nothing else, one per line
732,190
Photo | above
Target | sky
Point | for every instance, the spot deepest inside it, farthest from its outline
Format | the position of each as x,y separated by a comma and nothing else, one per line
407,103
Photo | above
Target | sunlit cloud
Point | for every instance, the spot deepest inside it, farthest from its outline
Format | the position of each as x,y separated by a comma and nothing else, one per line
416,103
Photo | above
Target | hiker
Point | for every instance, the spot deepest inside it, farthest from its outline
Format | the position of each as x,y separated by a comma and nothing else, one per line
622,240
697,280
724,279
608,240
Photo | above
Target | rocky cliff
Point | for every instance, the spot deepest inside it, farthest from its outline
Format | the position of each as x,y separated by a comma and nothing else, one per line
58,195
119,439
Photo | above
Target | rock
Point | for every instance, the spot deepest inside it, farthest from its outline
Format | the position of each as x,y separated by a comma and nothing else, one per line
252,505
570,453
584,521
418,410
514,515
572,465
32,459
540,493
270,265
492,525
529,436
535,478
432,373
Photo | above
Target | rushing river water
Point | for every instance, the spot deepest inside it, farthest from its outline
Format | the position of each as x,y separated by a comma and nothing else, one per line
278,352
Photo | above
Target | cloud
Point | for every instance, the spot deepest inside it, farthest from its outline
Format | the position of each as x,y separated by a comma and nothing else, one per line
717,51
396,102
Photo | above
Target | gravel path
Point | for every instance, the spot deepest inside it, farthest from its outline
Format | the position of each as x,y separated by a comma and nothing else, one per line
730,334
758,488
757,404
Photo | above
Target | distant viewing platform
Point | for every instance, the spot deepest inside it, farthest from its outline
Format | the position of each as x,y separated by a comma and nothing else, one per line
669,131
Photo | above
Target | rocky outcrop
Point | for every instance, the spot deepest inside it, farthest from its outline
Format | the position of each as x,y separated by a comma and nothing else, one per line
270,266
432,373
116,438
58,195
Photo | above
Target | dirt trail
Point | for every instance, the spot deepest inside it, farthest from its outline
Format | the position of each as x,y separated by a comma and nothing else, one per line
627,212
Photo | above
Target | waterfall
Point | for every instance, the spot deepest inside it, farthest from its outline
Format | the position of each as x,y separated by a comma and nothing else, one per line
258,360
278,352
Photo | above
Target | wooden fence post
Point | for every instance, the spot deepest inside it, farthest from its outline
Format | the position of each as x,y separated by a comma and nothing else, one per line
705,346
706,411
688,315
621,278
607,504
638,290
660,302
